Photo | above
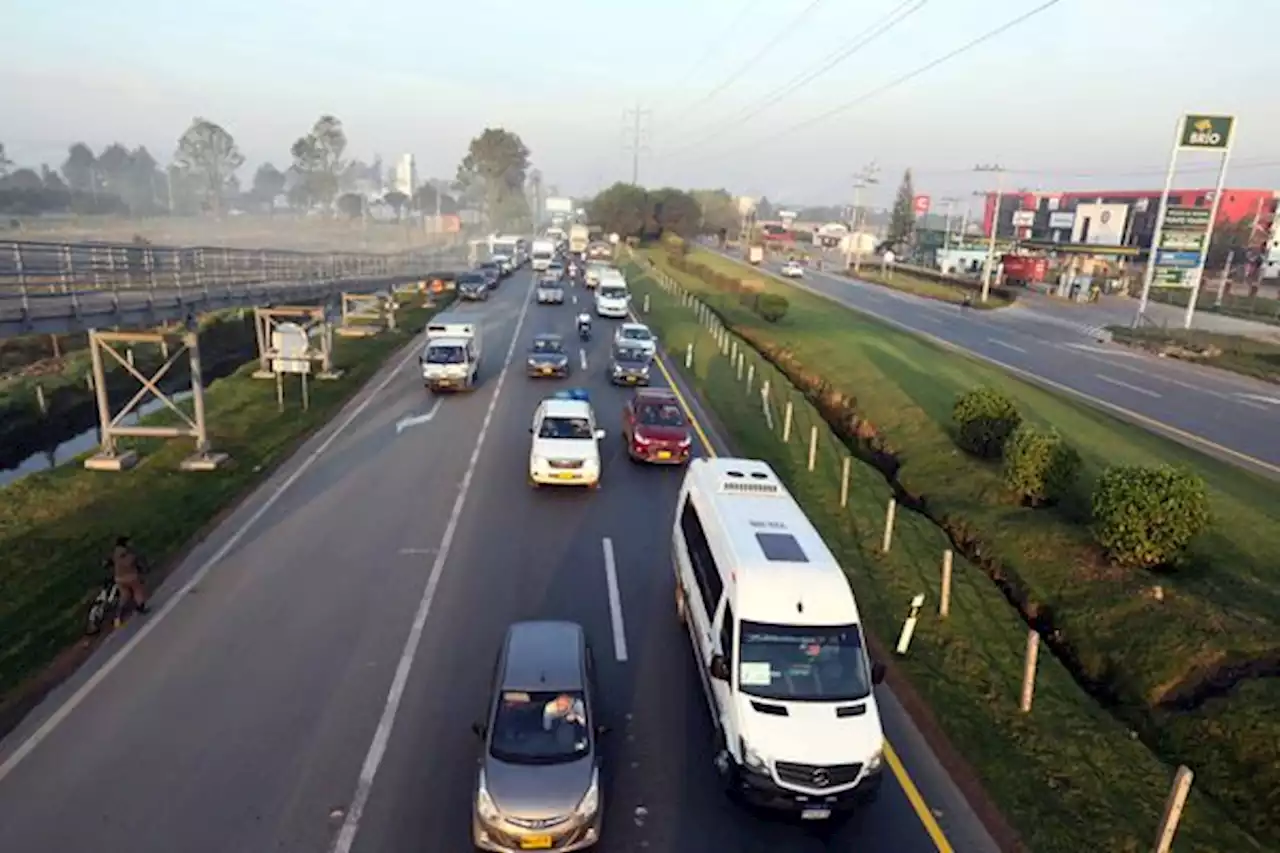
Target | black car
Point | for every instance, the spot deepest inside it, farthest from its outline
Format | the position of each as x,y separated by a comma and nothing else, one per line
493,267
547,356
473,286
630,366
490,275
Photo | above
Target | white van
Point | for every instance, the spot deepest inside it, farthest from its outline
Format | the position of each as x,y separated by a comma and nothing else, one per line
612,297
778,644
450,360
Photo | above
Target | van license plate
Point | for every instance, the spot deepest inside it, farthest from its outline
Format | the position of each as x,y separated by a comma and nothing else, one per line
535,842
815,814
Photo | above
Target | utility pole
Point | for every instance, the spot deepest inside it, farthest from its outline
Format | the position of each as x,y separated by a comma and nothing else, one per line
635,122
863,179
989,266
949,201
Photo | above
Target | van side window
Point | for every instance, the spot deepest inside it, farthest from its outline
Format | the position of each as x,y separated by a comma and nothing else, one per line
726,635
704,565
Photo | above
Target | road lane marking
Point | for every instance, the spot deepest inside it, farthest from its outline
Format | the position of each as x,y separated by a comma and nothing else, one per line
414,420
1134,388
151,623
928,319
574,297
918,805
382,734
1262,398
615,603
582,357
1006,345
1088,348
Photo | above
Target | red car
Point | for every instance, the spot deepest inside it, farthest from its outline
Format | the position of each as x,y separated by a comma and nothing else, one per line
655,428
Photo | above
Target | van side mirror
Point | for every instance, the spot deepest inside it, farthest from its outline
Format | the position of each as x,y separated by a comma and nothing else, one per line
600,434
530,430
478,730
877,673
719,668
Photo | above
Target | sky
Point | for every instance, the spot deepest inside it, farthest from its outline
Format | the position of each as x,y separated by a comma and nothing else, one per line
1083,95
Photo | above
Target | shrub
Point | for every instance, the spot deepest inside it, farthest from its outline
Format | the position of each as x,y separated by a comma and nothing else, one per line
1146,517
771,307
1039,466
984,420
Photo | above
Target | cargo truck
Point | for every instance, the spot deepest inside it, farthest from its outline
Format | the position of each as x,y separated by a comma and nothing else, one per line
755,255
544,251
579,238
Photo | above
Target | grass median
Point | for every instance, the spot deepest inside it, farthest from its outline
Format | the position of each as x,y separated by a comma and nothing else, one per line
56,526
929,288
1137,648
1246,356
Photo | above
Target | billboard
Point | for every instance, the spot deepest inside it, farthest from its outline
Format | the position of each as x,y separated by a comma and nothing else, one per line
558,205
1063,221
920,204
1100,224
1024,218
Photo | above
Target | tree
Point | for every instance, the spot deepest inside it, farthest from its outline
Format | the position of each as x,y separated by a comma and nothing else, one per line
22,180
268,183
764,209
902,221
621,209
397,200
424,200
318,160
5,162
494,171
208,155
672,210
719,211
52,180
79,168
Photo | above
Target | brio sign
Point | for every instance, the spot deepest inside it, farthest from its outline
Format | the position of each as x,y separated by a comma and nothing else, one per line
1206,133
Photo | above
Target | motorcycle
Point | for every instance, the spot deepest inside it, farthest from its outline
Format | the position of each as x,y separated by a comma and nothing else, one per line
584,329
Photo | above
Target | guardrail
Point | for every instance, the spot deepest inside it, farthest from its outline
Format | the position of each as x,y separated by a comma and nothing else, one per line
48,285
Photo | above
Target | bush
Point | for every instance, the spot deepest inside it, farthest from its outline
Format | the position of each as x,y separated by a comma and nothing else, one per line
1146,517
1039,466
771,307
984,420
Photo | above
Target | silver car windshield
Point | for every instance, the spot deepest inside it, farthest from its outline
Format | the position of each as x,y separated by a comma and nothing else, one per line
802,663
574,428
541,727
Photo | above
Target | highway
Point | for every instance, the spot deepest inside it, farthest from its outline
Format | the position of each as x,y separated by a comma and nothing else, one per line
311,672
1225,414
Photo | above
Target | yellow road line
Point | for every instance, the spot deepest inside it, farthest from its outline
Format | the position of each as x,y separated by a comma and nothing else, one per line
890,755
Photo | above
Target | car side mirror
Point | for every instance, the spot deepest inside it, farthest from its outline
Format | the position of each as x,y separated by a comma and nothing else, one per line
531,430
719,668
877,673
478,730
600,434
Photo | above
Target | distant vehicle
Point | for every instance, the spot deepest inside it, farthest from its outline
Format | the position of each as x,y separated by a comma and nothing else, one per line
550,292
450,361
755,255
505,263
579,238
493,267
556,268
540,753
490,274
655,429
792,269
594,270
636,335
473,286
612,300
630,366
514,247
566,449
544,252
599,251
547,357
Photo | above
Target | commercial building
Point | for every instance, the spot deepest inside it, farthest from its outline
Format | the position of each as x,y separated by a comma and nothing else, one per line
406,175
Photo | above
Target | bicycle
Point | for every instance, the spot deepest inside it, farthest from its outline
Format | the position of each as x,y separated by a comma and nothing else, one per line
106,602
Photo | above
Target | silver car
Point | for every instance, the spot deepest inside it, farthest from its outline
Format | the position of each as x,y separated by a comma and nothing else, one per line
539,782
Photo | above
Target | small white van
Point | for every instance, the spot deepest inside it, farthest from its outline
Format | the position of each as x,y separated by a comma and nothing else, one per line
613,300
450,360
778,644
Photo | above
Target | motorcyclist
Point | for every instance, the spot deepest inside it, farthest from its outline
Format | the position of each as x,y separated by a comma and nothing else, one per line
584,326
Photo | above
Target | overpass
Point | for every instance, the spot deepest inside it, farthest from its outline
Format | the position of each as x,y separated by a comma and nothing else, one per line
129,289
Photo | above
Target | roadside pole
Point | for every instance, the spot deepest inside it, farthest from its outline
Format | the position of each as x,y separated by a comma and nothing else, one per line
989,266
1208,234
860,181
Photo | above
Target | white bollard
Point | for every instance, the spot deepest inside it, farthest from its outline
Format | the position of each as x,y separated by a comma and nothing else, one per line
646,303
1173,806
751,373
688,356
845,470
944,600
738,365
909,626
786,423
813,446
1029,671
889,514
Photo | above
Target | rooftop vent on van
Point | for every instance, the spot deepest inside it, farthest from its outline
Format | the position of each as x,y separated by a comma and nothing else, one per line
736,483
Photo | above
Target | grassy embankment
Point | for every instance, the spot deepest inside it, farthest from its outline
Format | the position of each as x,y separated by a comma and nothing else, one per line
938,289
1070,774
1246,356
55,526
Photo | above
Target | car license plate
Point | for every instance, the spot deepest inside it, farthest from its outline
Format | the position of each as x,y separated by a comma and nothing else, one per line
815,814
664,454
548,371
631,379
565,475
535,842
444,383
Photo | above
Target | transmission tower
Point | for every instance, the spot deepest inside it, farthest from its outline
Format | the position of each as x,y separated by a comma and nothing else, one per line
636,128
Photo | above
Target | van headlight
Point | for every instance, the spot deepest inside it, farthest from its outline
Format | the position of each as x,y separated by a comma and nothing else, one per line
591,799
874,762
752,759
486,808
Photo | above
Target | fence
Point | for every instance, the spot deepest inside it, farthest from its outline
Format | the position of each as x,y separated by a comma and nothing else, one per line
852,505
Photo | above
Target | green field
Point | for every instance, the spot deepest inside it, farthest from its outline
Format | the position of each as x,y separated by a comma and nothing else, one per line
56,526
1154,658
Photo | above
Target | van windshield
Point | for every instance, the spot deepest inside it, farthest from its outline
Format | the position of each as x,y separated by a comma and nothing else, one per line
802,663
613,292
542,727
447,354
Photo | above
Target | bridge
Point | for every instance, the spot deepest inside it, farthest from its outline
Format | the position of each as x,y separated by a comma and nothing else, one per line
120,293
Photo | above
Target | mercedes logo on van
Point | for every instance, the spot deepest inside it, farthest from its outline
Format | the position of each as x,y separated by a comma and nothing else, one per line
820,777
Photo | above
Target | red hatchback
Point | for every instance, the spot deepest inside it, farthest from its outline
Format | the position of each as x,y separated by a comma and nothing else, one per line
655,428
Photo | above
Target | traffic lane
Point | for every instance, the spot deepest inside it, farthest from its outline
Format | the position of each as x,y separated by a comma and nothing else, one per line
239,723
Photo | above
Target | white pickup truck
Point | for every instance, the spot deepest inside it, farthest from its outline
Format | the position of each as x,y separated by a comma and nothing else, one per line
451,358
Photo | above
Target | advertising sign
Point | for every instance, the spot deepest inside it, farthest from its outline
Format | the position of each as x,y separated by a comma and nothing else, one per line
1187,218
1024,218
1061,221
1099,224
1184,260
920,204
558,205
1206,133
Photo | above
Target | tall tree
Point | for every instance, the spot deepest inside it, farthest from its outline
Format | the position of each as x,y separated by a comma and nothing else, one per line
621,209
318,160
52,180
764,209
208,155
268,183
25,180
79,168
902,220
719,212
397,200
494,170
673,210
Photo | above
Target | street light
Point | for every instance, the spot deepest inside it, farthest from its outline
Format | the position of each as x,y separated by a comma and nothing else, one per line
995,224
946,226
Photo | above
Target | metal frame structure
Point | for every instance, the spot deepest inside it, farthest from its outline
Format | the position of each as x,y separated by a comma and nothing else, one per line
309,317
358,307
109,456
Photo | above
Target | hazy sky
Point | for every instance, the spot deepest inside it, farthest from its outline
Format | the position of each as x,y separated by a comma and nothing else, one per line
1085,94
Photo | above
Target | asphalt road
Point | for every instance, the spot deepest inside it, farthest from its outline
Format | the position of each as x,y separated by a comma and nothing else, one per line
251,711
1225,414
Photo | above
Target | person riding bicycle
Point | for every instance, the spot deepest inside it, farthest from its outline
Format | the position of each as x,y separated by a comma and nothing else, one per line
128,568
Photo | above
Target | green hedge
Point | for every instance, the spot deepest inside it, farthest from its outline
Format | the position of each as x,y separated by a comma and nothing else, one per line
984,420
1145,518
1039,466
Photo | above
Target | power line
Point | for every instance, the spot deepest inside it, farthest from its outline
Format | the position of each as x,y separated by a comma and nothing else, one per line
746,66
910,75
722,36
864,38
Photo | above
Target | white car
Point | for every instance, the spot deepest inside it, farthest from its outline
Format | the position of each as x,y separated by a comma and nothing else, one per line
566,444
636,336
792,269
505,262
612,300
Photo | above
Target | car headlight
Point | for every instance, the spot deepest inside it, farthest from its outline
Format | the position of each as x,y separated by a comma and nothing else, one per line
686,441
640,439
752,759
874,762
486,808
591,799
533,362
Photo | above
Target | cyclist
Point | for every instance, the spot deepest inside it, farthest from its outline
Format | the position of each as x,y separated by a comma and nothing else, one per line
128,568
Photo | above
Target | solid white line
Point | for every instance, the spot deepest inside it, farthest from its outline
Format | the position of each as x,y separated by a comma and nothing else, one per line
1006,345
382,735
582,356
57,717
414,420
615,603
929,319
1260,397
1117,382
